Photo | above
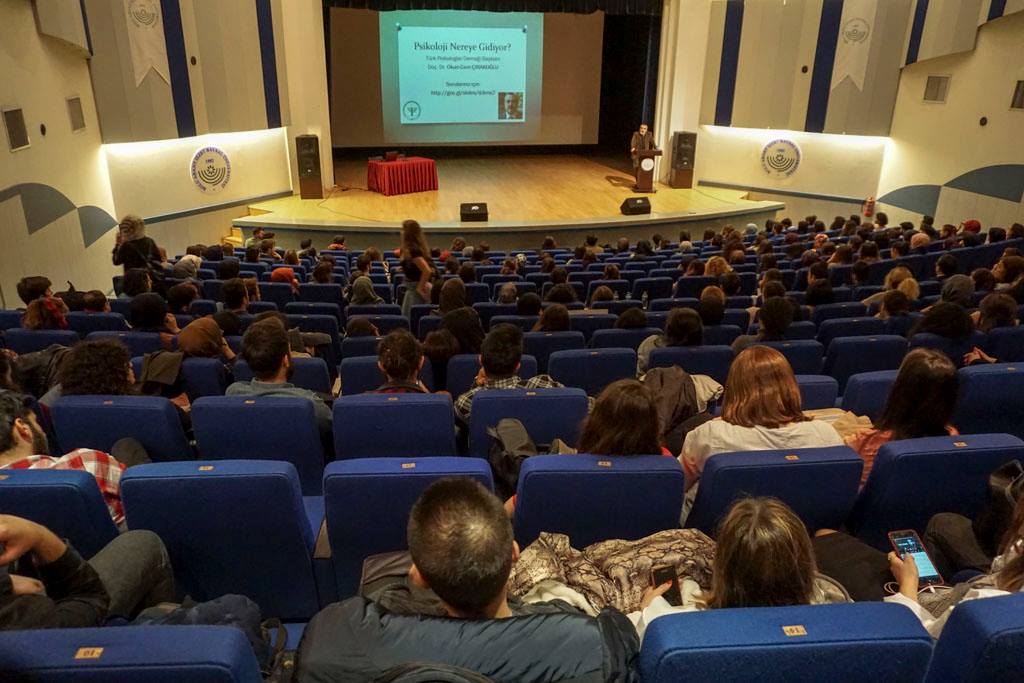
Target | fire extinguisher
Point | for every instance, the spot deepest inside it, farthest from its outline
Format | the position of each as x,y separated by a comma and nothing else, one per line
868,207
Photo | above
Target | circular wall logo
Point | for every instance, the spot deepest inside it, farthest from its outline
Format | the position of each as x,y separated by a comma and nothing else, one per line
211,169
856,30
780,158
144,13
412,110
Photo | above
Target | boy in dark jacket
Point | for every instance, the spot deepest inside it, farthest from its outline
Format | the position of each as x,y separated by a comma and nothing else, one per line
462,548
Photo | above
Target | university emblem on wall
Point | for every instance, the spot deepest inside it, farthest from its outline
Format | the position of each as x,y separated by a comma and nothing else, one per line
211,169
144,13
856,30
780,158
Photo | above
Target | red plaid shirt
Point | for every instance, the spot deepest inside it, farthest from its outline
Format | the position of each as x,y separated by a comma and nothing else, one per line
104,468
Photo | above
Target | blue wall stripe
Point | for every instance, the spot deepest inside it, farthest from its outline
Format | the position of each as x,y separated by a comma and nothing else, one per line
730,62
265,20
824,61
996,9
177,62
917,29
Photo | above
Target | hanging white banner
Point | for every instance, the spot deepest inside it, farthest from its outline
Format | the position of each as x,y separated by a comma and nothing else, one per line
853,46
146,38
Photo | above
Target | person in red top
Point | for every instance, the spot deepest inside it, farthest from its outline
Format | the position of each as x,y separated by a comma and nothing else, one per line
920,404
23,445
400,358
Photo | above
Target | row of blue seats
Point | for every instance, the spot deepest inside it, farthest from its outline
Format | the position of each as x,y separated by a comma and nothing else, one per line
862,641
198,508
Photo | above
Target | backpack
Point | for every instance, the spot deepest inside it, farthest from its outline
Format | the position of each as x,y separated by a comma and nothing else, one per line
676,399
1005,487
510,446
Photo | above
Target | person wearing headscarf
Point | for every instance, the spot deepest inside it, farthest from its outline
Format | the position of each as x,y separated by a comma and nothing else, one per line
203,338
187,267
132,249
287,276
363,294
959,289
149,313
453,296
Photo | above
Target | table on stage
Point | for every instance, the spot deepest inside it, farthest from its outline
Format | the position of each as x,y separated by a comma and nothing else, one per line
401,176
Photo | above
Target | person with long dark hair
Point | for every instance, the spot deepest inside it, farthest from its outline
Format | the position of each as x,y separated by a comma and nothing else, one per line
418,269
623,421
683,328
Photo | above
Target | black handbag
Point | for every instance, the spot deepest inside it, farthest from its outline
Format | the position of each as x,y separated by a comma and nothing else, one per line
1005,486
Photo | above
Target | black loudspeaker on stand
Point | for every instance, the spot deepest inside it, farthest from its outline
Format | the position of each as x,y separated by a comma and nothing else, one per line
473,212
307,155
684,155
635,206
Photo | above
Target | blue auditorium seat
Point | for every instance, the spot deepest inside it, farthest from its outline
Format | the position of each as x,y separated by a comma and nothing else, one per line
11,319
368,502
541,345
464,367
314,308
213,290
307,373
374,309
84,323
849,327
261,428
652,288
1005,344
323,324
352,347
622,338
588,323
618,307
713,361
98,422
129,654
23,341
619,287
991,399
232,526
668,304
279,292
690,286
914,479
843,310
845,642
817,391
867,392
847,356
138,343
523,322
204,376
67,502
384,323
362,374
427,324
594,498
981,641
487,310
321,293
955,349
393,425
477,292
804,355
198,308
592,369
820,484
721,335
546,414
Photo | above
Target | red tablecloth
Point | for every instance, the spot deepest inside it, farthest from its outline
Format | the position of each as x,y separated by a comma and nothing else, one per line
412,174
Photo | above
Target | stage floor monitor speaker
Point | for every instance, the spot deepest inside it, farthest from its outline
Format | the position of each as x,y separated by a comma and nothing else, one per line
635,206
307,155
473,212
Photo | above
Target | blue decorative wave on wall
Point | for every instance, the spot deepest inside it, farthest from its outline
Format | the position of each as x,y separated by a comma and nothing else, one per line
44,204
1001,181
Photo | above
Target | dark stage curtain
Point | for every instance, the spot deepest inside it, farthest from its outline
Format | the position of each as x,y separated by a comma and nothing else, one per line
646,7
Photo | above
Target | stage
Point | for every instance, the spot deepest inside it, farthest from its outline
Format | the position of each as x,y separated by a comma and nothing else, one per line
566,196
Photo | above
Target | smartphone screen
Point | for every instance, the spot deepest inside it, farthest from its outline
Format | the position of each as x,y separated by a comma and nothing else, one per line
660,575
908,543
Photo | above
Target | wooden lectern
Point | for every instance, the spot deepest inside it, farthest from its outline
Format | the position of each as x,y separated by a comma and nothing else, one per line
645,170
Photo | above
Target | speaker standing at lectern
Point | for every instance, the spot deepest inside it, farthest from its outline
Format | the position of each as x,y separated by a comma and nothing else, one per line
642,141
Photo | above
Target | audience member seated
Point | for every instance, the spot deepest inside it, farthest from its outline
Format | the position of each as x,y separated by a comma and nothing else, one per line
760,411
136,281
711,306
439,346
285,276
266,349
528,304
131,573
453,296
362,293
1009,273
255,240
763,558
361,327
203,338
23,445
959,290
462,551
683,328
188,265
561,294
894,304
631,319
236,304
776,317
95,301
400,358
181,296
926,378
946,320
303,344
500,353
945,267
623,421
337,244
33,287
323,273
149,314
984,280
554,318
507,294
45,313
464,324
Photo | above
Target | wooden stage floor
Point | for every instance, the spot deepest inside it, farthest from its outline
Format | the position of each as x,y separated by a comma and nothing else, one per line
523,193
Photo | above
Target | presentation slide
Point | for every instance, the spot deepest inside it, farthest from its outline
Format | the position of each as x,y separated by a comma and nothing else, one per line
462,75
